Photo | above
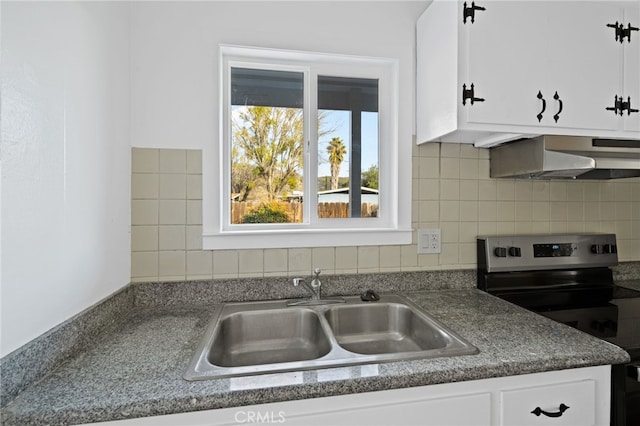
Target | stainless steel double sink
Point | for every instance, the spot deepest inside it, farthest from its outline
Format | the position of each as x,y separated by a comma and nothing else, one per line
267,337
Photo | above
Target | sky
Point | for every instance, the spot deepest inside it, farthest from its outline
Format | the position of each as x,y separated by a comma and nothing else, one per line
340,120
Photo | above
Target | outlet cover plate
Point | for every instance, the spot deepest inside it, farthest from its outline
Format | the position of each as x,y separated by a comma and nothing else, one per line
429,240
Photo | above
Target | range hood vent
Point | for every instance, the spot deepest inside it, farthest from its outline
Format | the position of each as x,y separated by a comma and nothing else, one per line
566,157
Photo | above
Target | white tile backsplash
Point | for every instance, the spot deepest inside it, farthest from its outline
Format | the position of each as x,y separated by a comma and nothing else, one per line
172,237
390,258
276,261
172,265
173,186
346,260
225,264
145,160
145,186
144,238
199,264
324,258
300,261
173,161
251,263
144,212
368,259
451,190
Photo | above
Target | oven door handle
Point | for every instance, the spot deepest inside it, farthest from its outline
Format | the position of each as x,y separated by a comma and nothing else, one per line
633,371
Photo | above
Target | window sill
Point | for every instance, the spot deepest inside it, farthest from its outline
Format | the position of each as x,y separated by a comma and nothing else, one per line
307,238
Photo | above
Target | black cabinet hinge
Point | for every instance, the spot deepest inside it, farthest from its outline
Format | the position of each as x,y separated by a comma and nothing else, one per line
620,106
622,32
470,12
468,94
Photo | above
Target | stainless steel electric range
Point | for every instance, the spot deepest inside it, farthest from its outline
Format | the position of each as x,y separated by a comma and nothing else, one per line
567,278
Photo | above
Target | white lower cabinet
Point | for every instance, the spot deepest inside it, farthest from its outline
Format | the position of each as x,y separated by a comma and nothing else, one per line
385,408
567,397
571,403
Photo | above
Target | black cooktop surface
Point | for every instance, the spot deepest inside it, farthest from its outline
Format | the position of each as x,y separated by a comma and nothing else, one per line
625,293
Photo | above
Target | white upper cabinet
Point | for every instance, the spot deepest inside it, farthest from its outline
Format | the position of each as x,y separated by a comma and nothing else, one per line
521,75
493,71
632,66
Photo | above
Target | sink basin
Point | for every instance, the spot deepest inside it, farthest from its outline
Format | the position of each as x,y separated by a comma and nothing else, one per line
267,337
382,328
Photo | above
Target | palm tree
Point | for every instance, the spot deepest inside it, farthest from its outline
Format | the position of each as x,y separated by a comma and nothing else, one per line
336,150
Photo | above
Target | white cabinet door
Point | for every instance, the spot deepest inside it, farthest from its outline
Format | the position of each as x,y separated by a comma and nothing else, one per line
447,411
584,64
438,405
521,54
558,404
506,65
632,66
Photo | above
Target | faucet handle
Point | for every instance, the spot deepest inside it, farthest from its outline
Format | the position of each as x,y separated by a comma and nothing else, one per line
316,272
297,281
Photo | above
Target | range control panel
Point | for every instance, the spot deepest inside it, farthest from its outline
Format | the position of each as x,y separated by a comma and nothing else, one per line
539,252
553,250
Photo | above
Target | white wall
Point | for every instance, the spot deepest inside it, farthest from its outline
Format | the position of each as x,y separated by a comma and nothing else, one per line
175,55
65,162
174,106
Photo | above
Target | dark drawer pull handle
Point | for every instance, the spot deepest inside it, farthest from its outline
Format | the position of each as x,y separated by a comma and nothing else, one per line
557,115
539,411
544,105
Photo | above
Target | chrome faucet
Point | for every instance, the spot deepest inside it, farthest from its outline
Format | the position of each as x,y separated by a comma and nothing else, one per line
315,288
316,285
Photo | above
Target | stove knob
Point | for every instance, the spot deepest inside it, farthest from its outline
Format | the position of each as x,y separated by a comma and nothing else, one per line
500,251
597,249
515,251
610,248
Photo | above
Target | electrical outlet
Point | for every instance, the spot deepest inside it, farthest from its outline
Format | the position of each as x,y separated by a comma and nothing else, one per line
429,240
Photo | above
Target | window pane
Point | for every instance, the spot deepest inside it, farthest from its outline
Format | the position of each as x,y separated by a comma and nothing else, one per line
267,157
347,147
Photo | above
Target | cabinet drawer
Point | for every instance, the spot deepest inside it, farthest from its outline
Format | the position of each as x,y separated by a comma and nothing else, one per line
572,403
461,410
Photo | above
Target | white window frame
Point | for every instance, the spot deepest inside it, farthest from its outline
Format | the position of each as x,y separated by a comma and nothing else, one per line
394,224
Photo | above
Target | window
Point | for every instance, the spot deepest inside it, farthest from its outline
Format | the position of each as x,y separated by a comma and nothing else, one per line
308,154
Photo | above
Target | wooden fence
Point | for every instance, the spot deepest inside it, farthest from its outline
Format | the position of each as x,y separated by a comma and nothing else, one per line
340,210
325,210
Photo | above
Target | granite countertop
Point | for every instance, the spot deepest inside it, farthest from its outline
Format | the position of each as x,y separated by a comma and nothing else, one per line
136,369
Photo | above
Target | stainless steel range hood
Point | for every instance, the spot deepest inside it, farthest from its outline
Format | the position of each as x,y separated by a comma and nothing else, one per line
571,157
